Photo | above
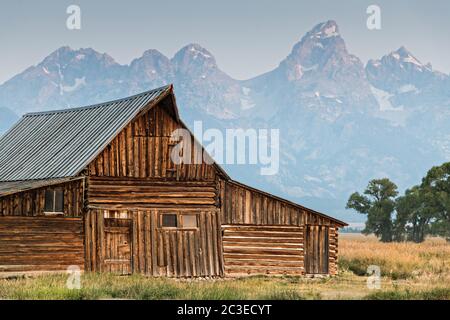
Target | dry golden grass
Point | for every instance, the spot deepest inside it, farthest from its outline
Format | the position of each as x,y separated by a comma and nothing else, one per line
410,271
396,260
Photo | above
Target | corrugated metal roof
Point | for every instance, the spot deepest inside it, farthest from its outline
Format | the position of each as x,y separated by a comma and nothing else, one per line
57,144
11,187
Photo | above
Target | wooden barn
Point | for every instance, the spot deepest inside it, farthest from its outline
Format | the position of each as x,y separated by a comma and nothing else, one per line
95,187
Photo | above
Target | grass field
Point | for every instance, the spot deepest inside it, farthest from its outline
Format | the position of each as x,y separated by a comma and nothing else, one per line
409,271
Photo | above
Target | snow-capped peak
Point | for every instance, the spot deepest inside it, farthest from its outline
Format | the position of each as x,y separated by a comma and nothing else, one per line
195,51
400,72
194,56
405,56
325,30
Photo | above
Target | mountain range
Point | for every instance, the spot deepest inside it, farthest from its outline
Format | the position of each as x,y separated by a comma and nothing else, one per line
341,122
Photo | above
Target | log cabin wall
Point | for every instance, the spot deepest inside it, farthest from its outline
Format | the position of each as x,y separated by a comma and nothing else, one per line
146,247
40,243
32,202
32,241
252,249
125,193
143,148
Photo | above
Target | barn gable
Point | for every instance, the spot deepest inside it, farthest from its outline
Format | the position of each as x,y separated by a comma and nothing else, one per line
143,149
59,144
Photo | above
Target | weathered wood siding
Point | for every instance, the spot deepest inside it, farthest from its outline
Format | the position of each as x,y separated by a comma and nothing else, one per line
316,249
32,202
243,205
263,250
160,251
134,193
40,243
134,180
143,148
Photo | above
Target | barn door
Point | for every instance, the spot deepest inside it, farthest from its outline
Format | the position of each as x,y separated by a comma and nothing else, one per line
117,245
316,249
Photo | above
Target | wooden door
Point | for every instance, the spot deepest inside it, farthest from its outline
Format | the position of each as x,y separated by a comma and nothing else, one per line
316,249
117,245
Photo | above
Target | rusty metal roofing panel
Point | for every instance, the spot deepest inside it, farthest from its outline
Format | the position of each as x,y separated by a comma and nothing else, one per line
57,144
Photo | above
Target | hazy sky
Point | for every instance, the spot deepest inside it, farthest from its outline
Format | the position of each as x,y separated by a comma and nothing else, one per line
247,37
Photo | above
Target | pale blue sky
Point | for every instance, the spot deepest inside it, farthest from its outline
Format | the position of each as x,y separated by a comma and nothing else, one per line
247,37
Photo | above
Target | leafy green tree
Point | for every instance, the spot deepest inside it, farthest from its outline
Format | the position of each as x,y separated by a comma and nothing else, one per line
436,187
412,222
378,203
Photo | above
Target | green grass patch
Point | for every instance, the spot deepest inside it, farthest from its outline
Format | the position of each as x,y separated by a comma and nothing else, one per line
431,294
108,286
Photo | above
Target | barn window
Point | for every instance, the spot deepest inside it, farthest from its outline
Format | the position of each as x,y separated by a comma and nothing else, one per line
189,221
54,201
169,221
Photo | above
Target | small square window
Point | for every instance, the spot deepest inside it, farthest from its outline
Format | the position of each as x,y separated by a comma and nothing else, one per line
169,221
54,201
190,221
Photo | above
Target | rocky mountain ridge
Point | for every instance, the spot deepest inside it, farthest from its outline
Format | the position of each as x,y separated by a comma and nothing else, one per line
341,123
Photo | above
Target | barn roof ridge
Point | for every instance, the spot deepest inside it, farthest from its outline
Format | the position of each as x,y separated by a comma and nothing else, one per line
98,105
52,144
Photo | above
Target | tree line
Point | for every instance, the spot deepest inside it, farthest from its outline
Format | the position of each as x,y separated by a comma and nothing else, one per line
423,210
